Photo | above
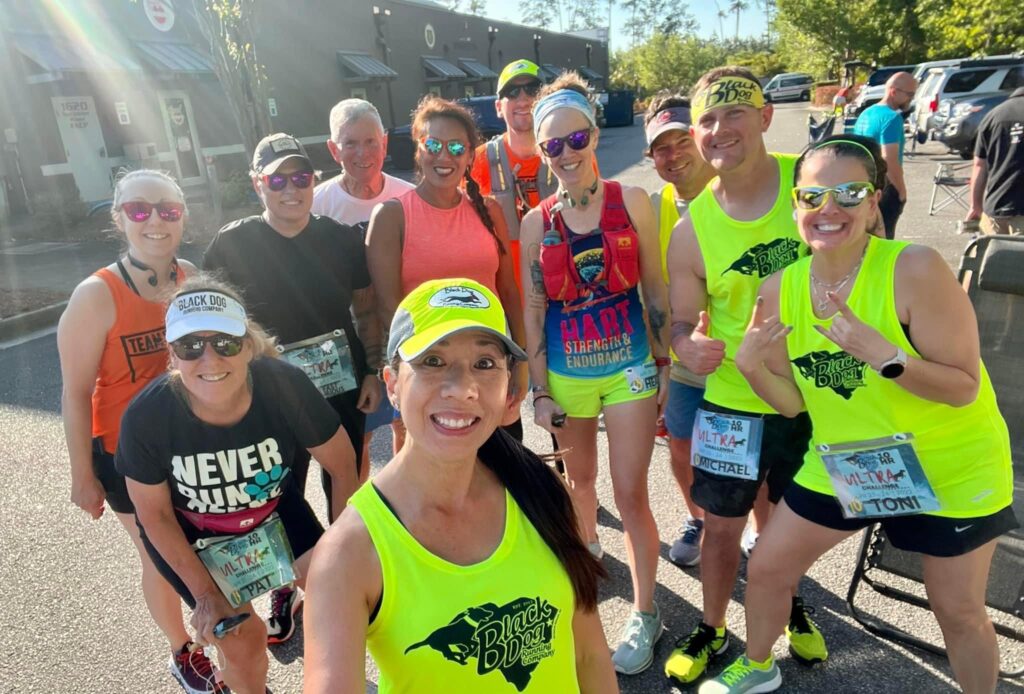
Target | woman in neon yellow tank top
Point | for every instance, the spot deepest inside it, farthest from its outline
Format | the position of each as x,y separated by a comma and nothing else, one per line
459,566
880,344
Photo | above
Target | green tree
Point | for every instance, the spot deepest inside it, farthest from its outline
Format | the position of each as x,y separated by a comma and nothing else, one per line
538,13
665,61
738,7
227,27
972,27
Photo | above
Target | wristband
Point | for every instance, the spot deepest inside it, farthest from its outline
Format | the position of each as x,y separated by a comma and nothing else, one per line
662,361
541,396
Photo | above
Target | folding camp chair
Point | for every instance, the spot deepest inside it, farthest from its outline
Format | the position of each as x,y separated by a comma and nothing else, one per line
819,130
991,272
953,180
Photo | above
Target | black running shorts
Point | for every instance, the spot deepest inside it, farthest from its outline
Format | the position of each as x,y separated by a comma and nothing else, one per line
936,536
300,525
783,447
114,486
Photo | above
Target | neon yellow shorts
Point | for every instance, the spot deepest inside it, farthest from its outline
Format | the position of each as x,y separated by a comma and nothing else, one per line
585,397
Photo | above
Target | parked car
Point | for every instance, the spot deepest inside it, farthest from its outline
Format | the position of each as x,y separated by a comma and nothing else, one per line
969,78
873,90
957,121
789,85
402,150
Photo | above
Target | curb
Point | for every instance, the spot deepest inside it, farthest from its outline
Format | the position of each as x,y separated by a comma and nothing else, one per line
25,323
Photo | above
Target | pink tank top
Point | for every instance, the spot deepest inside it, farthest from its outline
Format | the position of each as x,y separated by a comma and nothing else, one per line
442,243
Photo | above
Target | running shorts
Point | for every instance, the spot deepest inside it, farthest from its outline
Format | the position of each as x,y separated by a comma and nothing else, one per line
114,486
681,410
584,398
936,536
783,446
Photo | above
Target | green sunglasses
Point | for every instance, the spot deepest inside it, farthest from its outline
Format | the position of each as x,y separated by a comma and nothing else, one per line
848,194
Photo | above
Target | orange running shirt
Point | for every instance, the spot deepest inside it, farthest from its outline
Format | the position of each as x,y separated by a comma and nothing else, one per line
134,354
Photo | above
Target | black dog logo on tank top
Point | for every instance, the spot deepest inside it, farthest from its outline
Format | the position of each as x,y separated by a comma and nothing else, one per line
766,259
513,638
836,370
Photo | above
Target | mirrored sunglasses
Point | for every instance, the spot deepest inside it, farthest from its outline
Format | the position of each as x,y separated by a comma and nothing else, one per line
845,194
277,182
576,141
456,148
531,90
191,347
140,210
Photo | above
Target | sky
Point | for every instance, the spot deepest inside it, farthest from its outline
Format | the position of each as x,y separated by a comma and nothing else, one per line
705,12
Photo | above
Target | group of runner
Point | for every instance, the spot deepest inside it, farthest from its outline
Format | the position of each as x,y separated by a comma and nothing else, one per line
811,376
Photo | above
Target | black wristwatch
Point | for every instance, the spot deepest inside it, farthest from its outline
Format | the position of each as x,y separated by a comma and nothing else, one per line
894,367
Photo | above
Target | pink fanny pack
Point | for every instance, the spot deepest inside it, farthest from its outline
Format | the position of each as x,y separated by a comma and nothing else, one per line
235,522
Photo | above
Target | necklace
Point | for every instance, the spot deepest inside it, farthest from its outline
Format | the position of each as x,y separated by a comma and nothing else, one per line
821,303
584,199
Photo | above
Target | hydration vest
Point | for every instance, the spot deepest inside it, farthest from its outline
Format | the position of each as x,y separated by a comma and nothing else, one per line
621,245
503,185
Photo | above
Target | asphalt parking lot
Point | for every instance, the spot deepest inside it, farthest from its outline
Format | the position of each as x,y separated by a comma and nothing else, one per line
74,620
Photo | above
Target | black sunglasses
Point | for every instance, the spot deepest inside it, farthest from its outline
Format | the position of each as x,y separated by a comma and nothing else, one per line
277,182
576,141
191,347
532,89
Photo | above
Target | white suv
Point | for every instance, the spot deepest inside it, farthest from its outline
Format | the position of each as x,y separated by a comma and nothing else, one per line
969,77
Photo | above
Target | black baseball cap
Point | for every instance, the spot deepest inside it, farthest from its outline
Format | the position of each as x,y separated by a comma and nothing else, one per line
274,150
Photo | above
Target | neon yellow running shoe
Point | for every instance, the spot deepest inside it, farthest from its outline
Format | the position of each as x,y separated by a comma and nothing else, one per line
742,677
805,640
692,653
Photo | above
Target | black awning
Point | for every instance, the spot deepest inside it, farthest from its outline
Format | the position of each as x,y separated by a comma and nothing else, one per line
360,67
589,74
179,58
477,70
441,69
549,72
58,54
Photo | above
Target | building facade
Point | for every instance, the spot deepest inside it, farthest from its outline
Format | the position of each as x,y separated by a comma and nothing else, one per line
98,85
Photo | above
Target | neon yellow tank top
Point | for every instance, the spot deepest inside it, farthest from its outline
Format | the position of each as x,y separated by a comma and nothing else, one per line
738,256
964,451
503,625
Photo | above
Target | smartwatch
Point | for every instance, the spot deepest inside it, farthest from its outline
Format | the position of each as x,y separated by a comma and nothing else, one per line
895,366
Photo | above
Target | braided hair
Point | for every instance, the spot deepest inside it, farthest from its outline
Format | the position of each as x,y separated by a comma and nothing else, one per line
431,107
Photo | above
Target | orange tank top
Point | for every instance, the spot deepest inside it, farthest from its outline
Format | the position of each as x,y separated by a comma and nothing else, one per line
134,354
441,243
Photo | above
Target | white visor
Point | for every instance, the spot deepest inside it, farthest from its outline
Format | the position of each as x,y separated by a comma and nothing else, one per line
204,311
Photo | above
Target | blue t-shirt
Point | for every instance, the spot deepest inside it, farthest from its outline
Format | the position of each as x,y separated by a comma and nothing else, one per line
882,124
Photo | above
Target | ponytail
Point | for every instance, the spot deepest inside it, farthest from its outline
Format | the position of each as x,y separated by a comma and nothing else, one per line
545,501
473,191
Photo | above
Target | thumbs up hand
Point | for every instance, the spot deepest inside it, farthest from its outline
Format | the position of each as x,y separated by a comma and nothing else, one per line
697,351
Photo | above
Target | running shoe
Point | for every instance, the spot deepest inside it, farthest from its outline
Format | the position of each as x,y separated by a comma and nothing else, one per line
284,604
686,550
743,677
748,541
693,653
636,651
595,549
194,671
805,640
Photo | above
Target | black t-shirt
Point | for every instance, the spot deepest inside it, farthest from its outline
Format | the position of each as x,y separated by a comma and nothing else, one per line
299,287
215,469
1001,144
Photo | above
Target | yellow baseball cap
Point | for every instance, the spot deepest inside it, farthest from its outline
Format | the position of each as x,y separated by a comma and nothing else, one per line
439,308
515,69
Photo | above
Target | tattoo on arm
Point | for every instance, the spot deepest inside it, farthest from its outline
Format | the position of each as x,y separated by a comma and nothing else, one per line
682,329
657,318
537,277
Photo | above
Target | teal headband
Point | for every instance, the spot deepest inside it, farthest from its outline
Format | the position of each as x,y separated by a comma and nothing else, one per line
563,98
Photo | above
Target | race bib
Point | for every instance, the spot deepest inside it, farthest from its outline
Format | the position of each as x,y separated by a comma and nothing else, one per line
878,478
641,379
326,359
247,566
727,444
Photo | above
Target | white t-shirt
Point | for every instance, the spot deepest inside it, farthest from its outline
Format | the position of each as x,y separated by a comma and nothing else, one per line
331,200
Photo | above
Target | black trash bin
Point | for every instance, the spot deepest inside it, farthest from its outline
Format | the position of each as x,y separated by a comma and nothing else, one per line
619,110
